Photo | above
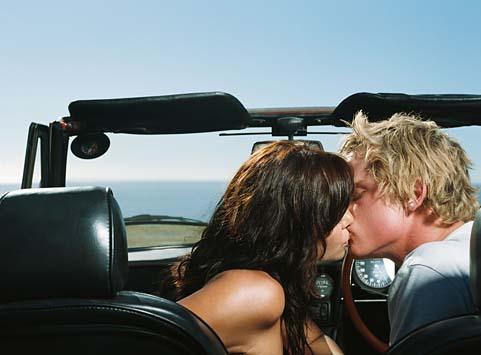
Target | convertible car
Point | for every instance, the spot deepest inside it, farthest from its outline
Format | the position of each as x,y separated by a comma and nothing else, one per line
84,278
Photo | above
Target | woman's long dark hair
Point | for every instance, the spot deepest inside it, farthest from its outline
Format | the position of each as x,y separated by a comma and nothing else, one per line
281,202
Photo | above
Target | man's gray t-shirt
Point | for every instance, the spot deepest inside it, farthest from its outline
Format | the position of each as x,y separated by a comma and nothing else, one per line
432,284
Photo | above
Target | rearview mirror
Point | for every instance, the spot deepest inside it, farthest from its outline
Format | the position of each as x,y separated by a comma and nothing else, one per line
262,144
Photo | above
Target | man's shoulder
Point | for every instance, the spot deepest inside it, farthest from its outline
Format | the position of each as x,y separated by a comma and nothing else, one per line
432,284
442,264
447,256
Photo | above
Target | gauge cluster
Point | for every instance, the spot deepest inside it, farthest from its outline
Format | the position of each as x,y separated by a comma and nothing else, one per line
374,275
369,280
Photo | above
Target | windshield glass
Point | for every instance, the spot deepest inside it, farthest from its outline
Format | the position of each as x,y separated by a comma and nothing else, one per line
168,185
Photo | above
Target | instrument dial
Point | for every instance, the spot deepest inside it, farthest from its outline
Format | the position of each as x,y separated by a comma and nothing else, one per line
374,274
324,285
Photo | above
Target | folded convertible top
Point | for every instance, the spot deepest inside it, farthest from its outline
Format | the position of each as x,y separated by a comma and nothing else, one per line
446,110
218,111
170,114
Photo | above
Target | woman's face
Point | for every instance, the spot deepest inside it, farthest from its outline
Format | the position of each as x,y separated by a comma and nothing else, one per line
337,241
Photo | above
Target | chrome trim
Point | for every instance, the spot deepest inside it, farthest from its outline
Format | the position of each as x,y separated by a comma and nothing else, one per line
158,254
373,300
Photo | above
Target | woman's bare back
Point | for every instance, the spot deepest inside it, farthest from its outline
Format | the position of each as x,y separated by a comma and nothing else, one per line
244,307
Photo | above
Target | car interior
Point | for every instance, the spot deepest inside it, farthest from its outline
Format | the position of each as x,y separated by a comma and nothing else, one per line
77,302
99,287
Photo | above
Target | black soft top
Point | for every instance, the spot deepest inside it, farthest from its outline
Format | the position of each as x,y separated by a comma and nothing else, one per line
218,111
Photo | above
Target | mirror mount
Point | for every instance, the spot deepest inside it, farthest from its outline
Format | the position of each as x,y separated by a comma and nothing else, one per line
290,127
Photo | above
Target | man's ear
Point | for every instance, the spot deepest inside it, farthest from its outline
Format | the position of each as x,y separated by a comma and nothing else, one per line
420,193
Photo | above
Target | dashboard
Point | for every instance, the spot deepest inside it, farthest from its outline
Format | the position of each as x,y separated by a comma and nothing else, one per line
370,281
372,275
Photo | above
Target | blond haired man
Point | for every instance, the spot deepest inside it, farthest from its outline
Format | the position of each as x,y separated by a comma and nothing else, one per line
414,204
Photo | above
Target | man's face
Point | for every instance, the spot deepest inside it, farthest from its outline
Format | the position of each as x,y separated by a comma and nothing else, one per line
378,225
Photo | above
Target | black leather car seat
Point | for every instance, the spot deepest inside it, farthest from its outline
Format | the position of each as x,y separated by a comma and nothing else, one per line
63,256
459,335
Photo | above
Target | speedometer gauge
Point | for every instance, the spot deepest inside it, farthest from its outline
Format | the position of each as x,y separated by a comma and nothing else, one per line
374,274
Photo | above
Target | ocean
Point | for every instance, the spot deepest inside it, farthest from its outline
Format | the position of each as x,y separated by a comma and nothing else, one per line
190,199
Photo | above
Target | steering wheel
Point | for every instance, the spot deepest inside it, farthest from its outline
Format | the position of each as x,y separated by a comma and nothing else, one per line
369,336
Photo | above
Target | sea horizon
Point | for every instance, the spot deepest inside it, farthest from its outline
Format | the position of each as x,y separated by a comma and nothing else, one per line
194,199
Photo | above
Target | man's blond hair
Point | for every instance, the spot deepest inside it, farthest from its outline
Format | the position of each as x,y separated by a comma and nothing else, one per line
405,150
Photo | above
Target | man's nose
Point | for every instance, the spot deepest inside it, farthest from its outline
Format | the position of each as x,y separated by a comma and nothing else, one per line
348,217
351,209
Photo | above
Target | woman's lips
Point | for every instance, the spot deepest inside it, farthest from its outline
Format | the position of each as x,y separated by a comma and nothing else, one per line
351,235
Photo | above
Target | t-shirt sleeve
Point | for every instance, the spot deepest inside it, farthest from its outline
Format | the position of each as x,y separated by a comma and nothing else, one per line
419,296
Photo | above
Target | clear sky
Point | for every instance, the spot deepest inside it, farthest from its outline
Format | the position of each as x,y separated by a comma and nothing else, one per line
266,53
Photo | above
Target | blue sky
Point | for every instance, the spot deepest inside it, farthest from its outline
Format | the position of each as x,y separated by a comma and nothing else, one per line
266,53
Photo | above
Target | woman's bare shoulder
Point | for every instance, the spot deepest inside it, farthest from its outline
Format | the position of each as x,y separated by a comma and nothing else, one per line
249,279
245,296
255,292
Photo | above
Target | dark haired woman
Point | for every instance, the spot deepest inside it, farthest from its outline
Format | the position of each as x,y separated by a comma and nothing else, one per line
251,276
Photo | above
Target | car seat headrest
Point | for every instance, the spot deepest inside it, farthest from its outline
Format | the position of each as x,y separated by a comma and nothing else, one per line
61,242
